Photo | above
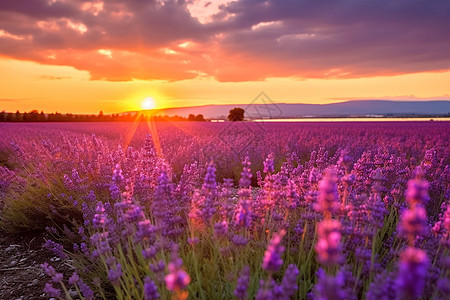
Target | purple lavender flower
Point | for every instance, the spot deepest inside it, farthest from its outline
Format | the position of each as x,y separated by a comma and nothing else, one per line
246,173
100,240
193,241
344,159
446,228
84,248
162,197
269,164
74,278
177,279
412,273
149,253
242,284
328,194
329,287
150,289
417,192
443,286
377,210
48,269
239,240
209,190
314,176
51,291
58,277
210,178
86,291
117,177
382,288
272,260
145,231
289,283
243,215
115,274
158,270
114,192
413,221
265,291
56,248
221,228
328,246
99,218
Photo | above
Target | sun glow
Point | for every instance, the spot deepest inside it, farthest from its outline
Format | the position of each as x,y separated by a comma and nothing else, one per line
148,103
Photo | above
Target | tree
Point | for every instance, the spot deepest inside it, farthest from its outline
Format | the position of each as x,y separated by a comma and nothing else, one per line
42,117
100,115
191,117
200,118
236,114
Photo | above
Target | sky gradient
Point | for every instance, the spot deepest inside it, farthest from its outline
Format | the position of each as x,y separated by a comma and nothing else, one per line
85,56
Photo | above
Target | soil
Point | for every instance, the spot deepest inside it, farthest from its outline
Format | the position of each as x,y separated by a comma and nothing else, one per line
21,277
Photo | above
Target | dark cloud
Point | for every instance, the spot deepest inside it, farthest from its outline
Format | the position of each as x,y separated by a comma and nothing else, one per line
248,39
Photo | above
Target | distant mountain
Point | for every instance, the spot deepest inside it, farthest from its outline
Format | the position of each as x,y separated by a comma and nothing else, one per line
293,110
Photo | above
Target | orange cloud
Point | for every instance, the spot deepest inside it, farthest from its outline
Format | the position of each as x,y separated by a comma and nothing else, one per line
231,41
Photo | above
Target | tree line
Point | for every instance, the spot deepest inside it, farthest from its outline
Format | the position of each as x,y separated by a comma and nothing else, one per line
36,116
236,114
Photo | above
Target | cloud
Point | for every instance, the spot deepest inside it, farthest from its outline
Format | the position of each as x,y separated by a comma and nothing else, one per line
9,100
51,77
242,40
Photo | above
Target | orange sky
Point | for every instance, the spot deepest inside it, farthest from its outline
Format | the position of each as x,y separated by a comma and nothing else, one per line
87,56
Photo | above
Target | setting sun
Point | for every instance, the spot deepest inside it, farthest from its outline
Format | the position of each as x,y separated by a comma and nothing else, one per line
148,103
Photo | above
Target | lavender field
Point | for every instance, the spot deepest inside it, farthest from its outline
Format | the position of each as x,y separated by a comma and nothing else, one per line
234,210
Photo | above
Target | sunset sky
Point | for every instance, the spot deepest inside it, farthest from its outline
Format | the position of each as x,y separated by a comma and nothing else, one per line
85,56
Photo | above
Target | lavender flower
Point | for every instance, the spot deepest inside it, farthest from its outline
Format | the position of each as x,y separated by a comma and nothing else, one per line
269,164
51,291
289,283
328,246
74,278
328,195
149,253
50,271
56,248
99,218
413,221
382,288
328,287
177,279
265,291
272,260
239,240
209,190
115,274
246,173
417,192
242,284
221,228
243,215
86,291
117,177
412,273
150,289
158,270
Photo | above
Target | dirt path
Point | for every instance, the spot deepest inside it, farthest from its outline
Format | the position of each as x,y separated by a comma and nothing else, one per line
21,277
